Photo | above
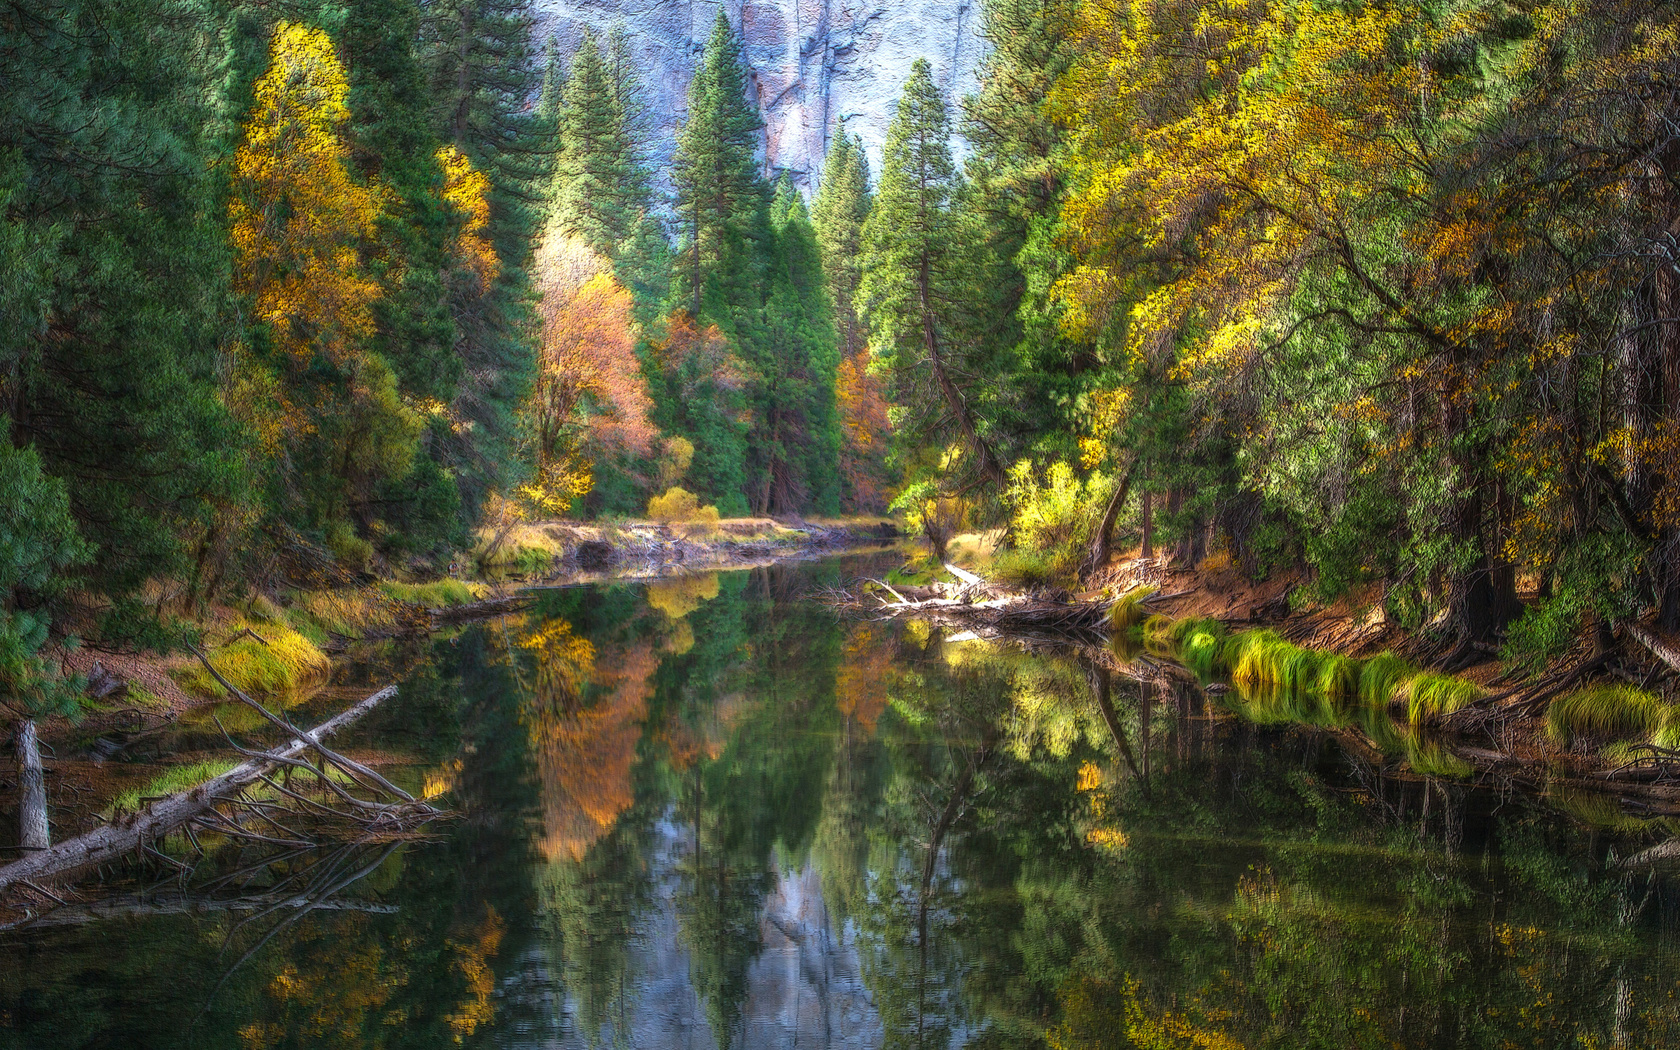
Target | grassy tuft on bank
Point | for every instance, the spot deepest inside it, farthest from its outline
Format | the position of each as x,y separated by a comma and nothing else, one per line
277,660
1606,712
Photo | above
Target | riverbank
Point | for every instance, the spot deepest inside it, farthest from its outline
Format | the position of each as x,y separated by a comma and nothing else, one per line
567,551
1603,715
147,715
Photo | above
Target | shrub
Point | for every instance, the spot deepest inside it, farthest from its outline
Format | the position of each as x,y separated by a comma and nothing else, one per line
350,549
1606,712
1055,514
1027,569
678,504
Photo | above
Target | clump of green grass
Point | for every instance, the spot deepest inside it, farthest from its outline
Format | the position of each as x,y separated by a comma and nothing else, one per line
1380,677
1263,658
1668,735
1431,695
434,595
171,780
1616,712
1199,643
1338,676
285,662
1128,611
1030,569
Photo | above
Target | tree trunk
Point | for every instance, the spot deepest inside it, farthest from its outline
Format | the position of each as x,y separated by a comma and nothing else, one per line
1148,524
34,833
1101,543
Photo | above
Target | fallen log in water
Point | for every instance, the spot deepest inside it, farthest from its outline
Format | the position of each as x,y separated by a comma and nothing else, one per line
1009,613
168,814
453,614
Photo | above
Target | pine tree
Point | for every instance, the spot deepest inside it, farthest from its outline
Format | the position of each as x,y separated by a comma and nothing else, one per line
915,278
599,188
721,196
841,206
796,442
479,67
1016,175
114,284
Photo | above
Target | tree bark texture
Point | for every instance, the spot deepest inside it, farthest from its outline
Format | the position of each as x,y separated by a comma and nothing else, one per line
34,833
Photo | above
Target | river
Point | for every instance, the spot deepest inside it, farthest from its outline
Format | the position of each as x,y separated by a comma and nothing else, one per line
713,813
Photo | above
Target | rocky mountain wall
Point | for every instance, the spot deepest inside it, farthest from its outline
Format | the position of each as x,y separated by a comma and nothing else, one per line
813,62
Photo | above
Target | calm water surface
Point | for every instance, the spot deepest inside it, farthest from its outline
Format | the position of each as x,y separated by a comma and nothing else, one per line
709,813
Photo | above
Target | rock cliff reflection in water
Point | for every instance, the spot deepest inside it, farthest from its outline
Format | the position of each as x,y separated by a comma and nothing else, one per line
710,813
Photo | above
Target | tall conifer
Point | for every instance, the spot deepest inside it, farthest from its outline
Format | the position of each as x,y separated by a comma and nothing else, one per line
914,276
721,195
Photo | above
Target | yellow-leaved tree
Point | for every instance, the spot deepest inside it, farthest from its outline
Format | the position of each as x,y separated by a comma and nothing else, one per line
299,222
298,218
468,191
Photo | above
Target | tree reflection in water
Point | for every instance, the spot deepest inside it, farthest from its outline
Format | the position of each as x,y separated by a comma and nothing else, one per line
720,816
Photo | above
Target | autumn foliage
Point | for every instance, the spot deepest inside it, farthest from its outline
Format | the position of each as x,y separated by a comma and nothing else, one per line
591,401
297,216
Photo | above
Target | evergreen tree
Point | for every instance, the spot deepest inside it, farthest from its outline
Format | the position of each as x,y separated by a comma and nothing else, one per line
394,143
721,196
1016,176
797,439
916,277
477,58
841,208
838,214
599,188
114,284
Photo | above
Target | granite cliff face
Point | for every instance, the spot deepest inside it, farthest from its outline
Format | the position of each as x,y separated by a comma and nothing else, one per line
812,61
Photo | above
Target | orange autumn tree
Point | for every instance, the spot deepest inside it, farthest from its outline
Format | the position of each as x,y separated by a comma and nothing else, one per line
591,401
864,431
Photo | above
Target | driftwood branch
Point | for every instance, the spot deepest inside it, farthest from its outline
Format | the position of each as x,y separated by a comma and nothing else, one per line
175,811
1659,648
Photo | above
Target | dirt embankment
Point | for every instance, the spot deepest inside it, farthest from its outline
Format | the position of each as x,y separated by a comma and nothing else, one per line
1604,715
